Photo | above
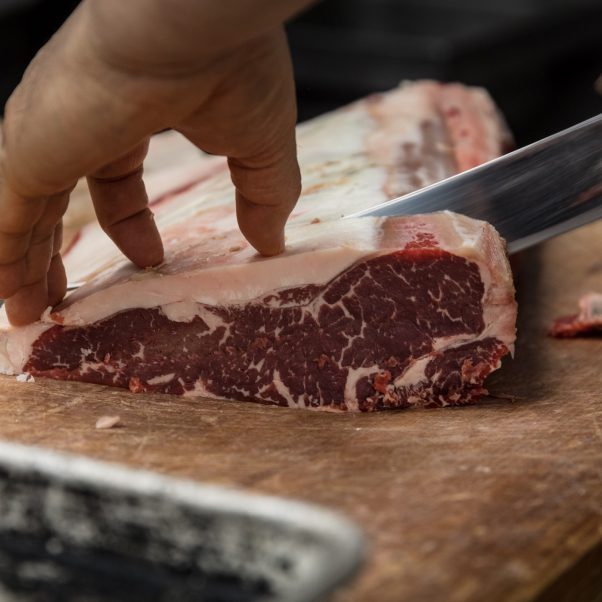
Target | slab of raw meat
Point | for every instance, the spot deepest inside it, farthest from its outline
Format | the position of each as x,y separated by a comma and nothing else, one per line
357,314
586,323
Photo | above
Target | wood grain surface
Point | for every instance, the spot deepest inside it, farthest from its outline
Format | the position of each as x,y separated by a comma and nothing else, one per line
499,501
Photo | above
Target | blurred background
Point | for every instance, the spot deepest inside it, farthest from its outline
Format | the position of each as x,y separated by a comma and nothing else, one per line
538,58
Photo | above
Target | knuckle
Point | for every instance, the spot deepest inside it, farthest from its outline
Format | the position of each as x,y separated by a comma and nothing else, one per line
118,171
129,165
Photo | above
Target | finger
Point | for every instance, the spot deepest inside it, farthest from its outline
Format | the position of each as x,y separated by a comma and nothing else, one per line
267,188
57,278
45,239
57,239
28,303
57,281
251,119
264,166
12,276
17,218
20,270
31,299
121,205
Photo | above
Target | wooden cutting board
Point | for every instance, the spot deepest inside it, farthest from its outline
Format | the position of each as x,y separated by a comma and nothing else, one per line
500,501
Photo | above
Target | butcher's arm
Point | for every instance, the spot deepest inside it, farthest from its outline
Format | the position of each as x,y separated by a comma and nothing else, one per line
216,70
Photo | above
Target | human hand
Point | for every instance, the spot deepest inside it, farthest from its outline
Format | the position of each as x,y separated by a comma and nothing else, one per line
113,75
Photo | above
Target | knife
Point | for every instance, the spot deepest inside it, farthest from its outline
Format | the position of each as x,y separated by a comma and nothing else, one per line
528,195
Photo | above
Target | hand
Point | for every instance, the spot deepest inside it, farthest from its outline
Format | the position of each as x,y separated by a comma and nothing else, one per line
116,73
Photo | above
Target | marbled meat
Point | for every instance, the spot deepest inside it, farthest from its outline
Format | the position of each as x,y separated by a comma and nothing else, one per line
358,314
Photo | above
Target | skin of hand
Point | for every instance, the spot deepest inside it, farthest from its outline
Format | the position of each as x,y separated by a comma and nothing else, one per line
115,73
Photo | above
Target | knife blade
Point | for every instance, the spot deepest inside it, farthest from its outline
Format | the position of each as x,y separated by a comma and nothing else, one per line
528,195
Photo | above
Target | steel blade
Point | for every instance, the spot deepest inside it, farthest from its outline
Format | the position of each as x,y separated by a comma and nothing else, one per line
529,195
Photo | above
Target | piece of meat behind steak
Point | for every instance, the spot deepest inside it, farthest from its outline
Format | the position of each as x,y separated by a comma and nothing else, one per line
588,322
357,314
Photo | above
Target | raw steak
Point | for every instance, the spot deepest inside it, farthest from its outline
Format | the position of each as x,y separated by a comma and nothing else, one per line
587,322
358,314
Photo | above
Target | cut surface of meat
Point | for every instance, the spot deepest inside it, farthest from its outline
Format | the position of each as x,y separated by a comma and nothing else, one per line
588,322
417,325
357,314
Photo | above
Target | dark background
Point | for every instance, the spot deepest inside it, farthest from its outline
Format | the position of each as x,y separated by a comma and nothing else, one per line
538,58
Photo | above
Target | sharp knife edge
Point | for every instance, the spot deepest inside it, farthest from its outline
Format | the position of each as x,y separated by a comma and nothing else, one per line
529,195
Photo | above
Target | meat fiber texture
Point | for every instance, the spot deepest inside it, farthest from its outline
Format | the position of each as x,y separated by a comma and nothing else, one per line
358,314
